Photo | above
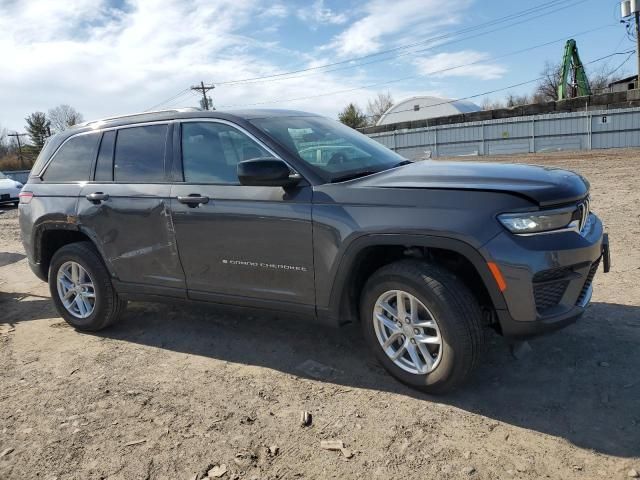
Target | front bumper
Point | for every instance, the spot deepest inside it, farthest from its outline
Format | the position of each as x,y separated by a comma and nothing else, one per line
549,277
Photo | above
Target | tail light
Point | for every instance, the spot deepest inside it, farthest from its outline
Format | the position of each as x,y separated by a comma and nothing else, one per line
25,197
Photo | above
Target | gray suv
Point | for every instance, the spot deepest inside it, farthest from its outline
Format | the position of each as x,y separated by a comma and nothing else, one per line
290,211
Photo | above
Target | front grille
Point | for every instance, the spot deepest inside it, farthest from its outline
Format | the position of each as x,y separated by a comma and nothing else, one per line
583,211
548,295
588,281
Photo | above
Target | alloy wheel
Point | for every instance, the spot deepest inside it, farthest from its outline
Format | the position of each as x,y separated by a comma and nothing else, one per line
407,332
76,289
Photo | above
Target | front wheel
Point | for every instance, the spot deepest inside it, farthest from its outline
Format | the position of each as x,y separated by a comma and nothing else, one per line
423,324
81,288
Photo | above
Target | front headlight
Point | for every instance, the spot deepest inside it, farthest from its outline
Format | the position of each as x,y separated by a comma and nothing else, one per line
536,222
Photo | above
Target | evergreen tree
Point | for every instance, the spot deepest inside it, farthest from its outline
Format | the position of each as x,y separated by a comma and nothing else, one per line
353,116
39,128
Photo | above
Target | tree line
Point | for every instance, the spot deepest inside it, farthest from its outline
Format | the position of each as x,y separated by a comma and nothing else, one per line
546,90
39,126
353,116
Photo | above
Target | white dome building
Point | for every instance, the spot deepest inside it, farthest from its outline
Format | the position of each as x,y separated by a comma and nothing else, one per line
422,108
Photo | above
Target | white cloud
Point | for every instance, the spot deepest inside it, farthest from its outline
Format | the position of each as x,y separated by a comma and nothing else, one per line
457,64
277,10
317,13
105,61
382,19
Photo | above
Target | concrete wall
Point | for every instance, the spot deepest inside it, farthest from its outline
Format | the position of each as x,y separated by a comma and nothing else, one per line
615,128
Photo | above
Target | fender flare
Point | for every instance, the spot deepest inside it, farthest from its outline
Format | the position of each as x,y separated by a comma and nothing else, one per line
45,225
63,224
348,259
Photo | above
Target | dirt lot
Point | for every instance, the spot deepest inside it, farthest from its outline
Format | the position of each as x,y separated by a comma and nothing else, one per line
174,390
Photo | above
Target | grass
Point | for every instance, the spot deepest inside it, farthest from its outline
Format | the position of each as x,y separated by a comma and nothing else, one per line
12,162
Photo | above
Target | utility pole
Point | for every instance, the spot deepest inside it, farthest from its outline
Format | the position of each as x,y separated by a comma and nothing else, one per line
18,135
630,8
637,15
204,89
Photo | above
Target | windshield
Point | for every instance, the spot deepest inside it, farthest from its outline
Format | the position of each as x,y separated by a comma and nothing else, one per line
2,176
336,151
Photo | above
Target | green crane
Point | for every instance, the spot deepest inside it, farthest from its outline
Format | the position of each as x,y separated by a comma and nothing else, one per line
571,64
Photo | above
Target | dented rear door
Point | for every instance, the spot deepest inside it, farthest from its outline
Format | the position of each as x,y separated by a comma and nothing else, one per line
125,208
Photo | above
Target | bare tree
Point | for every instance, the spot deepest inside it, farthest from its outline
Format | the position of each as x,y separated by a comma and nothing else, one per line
378,106
63,117
488,104
517,100
600,79
547,88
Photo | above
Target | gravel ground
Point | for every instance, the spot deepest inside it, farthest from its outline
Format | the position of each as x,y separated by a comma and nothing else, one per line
173,391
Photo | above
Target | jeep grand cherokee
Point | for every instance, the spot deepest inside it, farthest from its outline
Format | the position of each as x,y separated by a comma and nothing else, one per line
294,212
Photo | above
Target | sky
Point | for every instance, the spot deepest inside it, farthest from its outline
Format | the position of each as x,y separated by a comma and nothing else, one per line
112,57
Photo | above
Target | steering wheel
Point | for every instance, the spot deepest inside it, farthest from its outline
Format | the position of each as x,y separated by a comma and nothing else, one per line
337,159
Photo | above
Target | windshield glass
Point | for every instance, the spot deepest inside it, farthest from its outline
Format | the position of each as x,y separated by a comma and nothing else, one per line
2,175
333,149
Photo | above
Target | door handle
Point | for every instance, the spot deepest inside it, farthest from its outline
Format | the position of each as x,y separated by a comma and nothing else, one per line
193,200
97,197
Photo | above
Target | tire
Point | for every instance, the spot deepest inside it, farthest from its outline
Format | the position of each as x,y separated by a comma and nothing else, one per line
108,307
447,301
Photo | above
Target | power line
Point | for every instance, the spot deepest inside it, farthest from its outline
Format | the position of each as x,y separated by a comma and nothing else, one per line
406,78
411,77
429,49
428,40
316,69
179,94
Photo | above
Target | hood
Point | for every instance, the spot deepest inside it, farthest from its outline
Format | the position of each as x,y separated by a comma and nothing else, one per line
543,185
8,183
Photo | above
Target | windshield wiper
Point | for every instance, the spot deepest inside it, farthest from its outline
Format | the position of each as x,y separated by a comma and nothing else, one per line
352,175
404,162
364,173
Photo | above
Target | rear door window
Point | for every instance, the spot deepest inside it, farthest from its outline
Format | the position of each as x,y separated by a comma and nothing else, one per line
139,154
73,161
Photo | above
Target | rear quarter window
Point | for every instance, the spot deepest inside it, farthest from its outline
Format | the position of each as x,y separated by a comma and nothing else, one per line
73,160
139,154
104,163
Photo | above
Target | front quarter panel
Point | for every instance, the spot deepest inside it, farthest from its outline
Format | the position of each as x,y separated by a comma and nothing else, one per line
343,213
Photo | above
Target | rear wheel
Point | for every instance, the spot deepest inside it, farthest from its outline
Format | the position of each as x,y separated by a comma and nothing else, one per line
423,325
81,288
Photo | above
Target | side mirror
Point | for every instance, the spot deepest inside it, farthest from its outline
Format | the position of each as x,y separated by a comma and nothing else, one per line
266,172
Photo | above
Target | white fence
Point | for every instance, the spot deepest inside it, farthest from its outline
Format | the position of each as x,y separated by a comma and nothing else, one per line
587,130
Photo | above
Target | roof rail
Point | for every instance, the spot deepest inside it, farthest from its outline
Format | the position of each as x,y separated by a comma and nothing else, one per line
172,110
